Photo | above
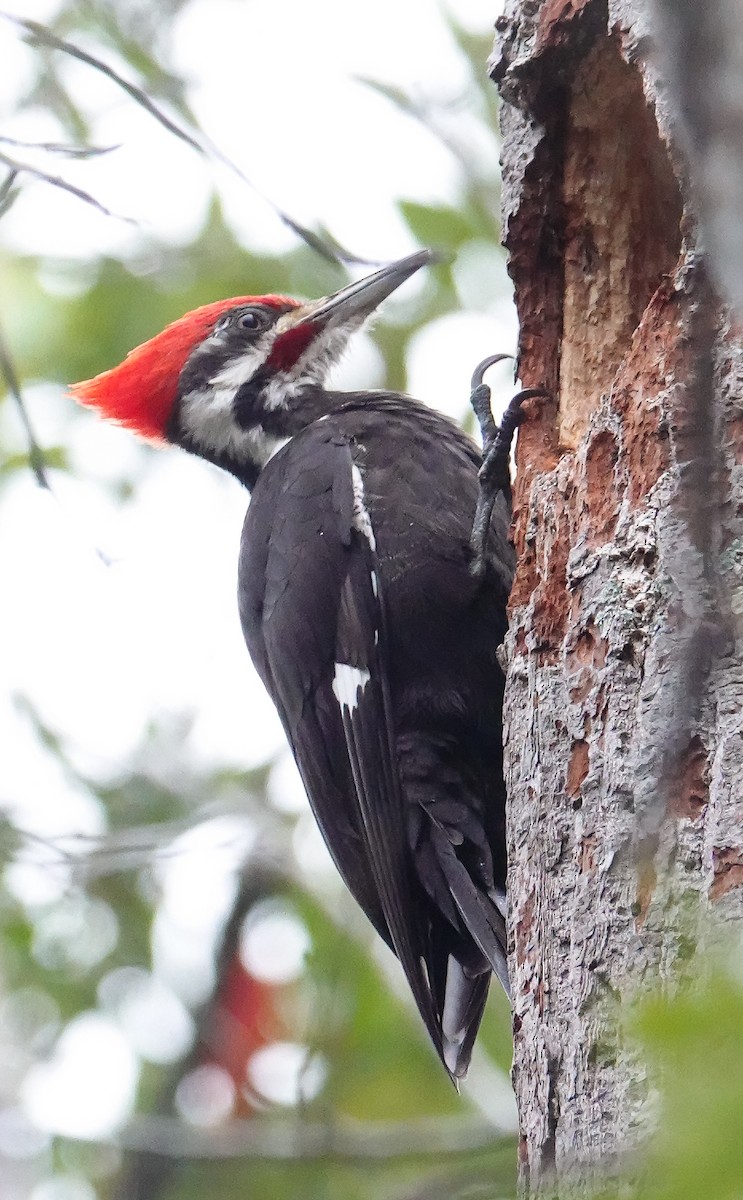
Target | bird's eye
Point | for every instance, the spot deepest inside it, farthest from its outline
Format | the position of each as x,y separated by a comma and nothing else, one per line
249,319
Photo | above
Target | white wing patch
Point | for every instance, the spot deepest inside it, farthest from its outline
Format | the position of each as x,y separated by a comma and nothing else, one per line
361,518
500,900
348,682
453,1027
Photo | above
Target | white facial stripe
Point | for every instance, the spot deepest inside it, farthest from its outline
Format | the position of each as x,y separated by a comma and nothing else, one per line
348,681
279,391
208,418
210,421
242,369
325,349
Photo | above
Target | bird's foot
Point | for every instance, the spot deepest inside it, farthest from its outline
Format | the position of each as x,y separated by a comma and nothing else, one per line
495,473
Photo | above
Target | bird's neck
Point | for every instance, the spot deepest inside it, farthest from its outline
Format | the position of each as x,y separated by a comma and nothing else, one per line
260,431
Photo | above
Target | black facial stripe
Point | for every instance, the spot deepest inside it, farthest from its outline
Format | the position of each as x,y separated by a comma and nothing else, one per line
247,405
198,370
207,360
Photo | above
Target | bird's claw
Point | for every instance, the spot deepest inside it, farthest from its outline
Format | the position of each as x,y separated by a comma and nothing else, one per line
482,367
494,476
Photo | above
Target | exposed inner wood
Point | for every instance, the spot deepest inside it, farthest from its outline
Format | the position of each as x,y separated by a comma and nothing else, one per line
622,228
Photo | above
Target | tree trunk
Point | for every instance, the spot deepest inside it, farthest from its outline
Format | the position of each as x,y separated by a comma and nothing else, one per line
624,740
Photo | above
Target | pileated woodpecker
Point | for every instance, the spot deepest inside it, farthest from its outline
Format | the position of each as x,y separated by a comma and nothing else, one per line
367,616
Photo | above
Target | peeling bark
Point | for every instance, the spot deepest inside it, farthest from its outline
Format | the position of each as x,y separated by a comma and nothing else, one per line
624,742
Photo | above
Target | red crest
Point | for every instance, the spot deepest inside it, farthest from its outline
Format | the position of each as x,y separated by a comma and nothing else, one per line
140,392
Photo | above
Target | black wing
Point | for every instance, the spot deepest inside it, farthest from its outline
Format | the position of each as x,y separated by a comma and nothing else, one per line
312,613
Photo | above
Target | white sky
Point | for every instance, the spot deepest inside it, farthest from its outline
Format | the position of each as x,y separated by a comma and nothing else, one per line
98,649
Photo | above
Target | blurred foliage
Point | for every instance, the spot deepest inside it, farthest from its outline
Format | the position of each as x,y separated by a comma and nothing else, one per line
694,1046
59,960
690,1042
66,958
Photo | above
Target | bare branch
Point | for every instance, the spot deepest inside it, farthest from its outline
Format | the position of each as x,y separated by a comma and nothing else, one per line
18,167
8,191
35,453
60,148
8,372
197,140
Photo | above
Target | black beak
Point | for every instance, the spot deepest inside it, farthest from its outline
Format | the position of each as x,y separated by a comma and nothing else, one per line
356,301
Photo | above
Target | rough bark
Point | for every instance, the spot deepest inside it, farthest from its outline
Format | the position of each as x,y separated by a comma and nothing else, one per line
624,739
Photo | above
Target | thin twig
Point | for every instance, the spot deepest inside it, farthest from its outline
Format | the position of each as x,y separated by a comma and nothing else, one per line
200,143
7,195
35,453
56,181
60,148
114,853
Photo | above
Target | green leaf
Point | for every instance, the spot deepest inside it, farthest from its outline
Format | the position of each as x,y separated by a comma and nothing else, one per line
440,227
